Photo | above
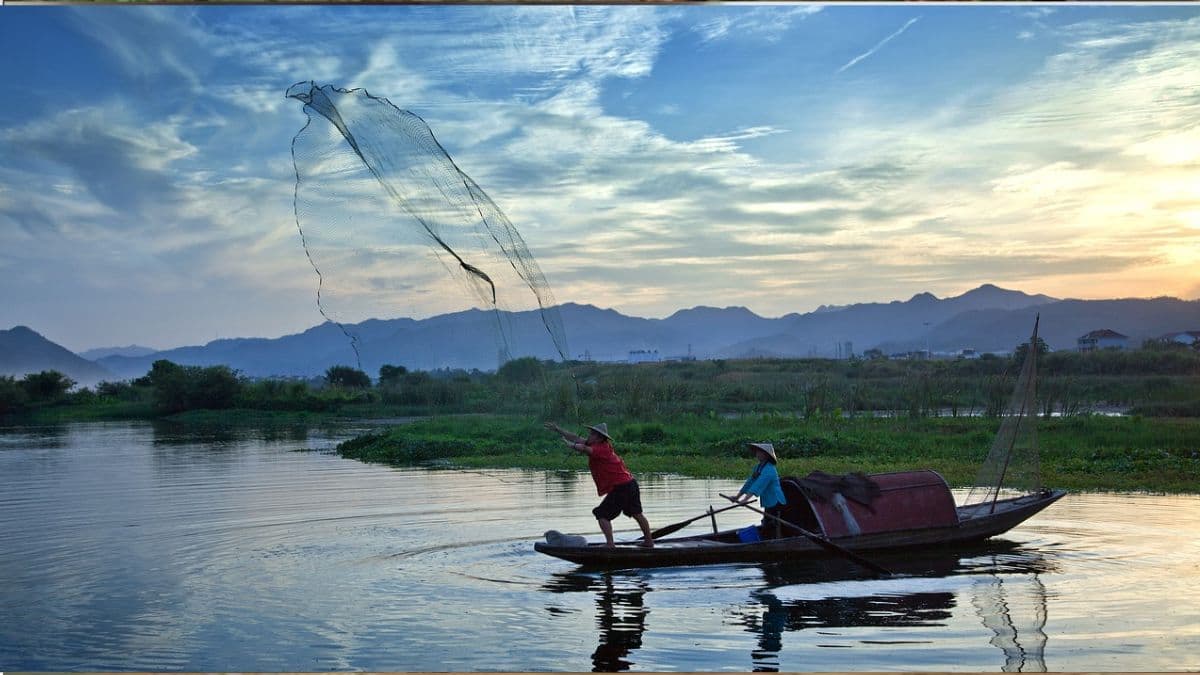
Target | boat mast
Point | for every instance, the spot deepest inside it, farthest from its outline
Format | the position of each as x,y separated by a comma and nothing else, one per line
1030,392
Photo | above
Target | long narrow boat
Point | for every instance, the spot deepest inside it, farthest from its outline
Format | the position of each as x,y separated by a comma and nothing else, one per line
910,514
857,514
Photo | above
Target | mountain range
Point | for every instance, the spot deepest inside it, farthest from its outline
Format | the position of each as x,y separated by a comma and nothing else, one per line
986,319
24,351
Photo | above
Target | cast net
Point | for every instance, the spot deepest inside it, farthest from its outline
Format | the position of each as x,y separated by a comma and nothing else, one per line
394,228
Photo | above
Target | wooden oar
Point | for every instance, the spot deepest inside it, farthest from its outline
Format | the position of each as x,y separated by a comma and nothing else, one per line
675,527
819,539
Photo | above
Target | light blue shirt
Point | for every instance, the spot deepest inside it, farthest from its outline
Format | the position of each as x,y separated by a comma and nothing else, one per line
765,486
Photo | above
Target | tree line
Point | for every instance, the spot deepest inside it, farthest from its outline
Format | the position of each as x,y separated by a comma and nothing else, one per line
169,388
1156,379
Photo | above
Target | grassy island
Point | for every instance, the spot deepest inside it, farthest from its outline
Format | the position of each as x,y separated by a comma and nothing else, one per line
1081,453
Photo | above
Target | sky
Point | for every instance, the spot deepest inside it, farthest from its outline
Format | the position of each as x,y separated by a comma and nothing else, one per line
653,158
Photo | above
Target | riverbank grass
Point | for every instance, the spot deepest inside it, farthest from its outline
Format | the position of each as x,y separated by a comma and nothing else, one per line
1078,453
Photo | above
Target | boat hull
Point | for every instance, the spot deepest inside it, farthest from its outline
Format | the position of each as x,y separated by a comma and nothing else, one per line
976,523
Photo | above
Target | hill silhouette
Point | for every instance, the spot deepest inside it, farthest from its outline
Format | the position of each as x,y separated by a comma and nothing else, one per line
987,319
24,351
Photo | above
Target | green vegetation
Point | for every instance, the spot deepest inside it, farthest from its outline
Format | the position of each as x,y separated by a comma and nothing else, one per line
47,388
1154,381
347,377
693,417
1082,452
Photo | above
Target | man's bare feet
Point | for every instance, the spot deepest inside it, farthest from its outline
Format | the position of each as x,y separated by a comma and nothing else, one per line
646,544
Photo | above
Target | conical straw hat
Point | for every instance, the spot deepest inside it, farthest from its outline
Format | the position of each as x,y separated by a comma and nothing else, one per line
767,448
601,429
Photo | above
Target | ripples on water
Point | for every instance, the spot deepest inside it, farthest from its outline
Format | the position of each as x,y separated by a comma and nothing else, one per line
141,547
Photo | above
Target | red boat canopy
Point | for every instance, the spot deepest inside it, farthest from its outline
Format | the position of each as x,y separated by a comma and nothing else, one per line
906,500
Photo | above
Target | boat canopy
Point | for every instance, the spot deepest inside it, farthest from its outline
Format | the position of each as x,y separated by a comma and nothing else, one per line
841,506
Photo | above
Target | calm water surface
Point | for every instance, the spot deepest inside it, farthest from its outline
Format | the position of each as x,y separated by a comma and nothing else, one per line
134,546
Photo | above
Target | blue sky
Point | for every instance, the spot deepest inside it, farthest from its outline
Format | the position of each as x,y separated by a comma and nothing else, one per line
777,157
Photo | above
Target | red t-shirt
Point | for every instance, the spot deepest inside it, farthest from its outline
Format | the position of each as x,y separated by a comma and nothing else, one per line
607,468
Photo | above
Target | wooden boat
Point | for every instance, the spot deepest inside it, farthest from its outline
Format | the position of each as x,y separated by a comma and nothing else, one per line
897,528
855,514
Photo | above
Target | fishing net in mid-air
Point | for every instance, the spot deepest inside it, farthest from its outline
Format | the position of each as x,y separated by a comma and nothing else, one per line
393,227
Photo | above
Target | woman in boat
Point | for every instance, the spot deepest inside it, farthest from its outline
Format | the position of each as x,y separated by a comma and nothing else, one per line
612,478
764,484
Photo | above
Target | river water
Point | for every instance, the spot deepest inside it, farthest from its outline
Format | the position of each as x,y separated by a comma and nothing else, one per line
137,546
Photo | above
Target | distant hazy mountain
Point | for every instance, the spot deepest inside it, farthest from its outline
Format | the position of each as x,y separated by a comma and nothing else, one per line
987,318
24,351
102,352
896,325
1063,322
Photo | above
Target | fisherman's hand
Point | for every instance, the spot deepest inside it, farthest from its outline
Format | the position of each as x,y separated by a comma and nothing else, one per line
552,426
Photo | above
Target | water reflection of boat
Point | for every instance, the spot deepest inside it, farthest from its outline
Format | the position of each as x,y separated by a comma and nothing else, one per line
1000,601
927,596
999,578
854,514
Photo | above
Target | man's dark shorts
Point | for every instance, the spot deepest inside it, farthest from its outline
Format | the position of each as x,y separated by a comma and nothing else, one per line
625,498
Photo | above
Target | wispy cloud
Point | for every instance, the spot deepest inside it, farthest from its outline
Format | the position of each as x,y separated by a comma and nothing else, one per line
877,47
121,161
759,23
149,44
730,142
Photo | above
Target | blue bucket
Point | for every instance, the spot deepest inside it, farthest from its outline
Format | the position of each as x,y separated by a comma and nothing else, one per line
749,534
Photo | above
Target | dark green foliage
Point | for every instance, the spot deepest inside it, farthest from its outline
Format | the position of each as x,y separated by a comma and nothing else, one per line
1022,349
289,395
358,444
444,438
48,386
524,370
646,433
421,390
170,384
389,374
178,388
82,396
120,391
12,395
214,388
561,401
347,377
1122,362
